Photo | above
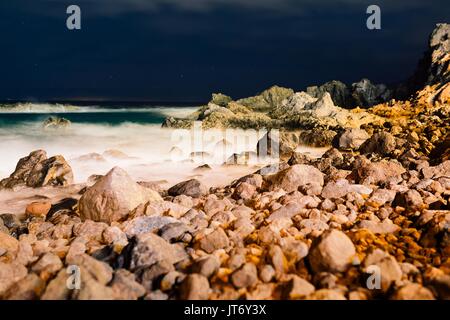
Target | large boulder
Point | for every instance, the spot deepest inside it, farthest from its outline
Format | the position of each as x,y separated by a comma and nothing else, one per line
292,178
36,170
113,197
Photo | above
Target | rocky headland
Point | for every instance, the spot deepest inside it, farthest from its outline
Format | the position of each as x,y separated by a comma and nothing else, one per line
368,220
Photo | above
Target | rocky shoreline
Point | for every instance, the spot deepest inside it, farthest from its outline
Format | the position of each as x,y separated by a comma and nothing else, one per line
368,220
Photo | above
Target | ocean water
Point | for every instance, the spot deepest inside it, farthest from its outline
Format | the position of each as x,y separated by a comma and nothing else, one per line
101,137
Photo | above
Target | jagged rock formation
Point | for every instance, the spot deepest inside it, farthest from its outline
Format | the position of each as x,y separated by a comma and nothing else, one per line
432,76
36,170
56,123
361,94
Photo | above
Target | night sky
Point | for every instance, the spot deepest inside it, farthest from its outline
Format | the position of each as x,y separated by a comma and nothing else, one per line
183,50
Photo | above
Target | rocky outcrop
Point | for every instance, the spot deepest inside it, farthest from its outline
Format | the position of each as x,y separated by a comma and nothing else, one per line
361,94
432,75
36,170
267,100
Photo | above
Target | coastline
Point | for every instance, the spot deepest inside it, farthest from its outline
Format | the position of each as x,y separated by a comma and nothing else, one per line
364,216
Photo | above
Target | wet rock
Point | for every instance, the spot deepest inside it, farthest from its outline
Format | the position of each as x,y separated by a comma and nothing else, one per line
36,170
11,221
244,277
194,287
113,197
56,123
192,188
215,240
296,176
333,252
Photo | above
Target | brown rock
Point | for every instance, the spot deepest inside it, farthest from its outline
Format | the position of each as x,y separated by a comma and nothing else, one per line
151,249
382,143
30,287
125,286
388,268
244,277
413,291
192,188
333,252
8,244
292,178
10,273
299,288
194,287
217,239
113,197
38,209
